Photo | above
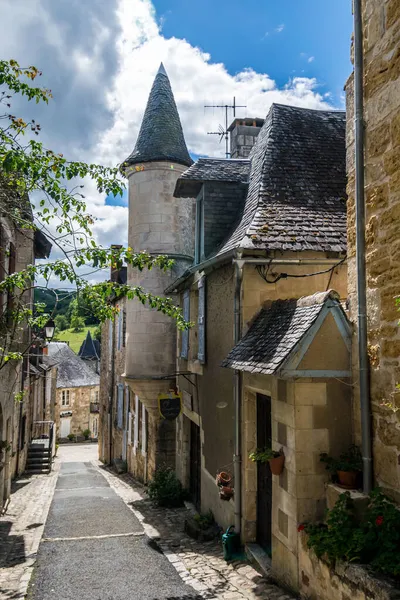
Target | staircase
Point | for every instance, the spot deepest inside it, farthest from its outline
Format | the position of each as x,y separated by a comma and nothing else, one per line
39,459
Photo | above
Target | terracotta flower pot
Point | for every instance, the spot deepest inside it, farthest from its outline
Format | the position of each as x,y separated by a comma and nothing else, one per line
224,478
226,492
276,464
348,479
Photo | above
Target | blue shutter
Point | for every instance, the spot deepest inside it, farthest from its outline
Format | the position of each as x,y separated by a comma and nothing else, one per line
185,332
201,330
120,329
120,405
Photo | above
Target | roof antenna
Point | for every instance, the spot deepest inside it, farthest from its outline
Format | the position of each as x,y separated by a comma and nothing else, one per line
223,133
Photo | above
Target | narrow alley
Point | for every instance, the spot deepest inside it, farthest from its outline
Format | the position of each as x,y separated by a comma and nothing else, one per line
84,531
94,546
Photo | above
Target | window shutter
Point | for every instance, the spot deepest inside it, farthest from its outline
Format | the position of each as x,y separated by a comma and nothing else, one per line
201,330
185,332
136,425
144,430
120,405
110,337
123,328
129,428
119,330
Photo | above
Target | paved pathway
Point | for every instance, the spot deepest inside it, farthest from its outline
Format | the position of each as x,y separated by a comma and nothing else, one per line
104,540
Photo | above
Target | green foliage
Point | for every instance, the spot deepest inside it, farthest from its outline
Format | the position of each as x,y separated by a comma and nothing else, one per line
28,167
61,322
204,521
374,541
56,301
97,333
86,433
348,461
263,455
166,489
77,324
71,436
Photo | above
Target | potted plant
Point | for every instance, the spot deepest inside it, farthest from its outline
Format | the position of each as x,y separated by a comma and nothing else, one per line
71,437
346,468
86,434
224,478
275,459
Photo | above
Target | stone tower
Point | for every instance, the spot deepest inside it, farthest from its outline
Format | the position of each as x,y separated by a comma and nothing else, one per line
158,224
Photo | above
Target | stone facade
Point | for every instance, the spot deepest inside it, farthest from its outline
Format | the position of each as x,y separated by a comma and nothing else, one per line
382,191
75,404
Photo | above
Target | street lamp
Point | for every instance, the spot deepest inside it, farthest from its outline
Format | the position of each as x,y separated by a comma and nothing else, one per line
49,329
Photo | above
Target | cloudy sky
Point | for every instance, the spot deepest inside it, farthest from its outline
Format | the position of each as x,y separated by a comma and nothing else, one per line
99,57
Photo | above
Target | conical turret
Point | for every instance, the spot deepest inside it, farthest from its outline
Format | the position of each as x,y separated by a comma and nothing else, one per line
161,136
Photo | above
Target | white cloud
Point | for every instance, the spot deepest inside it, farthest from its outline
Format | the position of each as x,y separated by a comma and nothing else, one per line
100,59
311,59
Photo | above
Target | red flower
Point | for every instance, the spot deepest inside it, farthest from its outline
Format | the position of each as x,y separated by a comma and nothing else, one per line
301,527
379,521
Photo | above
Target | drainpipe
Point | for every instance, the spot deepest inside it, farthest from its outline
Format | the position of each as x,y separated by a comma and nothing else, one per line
360,250
111,397
237,391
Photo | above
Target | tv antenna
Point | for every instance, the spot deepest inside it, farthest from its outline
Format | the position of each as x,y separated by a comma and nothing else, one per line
223,133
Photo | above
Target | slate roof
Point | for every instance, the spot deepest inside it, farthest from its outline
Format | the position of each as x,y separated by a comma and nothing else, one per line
90,348
160,136
229,170
72,370
296,199
275,333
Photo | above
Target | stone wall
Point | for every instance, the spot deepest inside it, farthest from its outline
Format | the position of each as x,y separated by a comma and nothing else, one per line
342,582
382,189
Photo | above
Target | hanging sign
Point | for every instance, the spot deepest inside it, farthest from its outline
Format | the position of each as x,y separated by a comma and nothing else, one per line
170,405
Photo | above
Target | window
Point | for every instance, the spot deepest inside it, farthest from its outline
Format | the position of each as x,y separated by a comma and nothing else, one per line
95,431
95,396
201,353
185,332
65,398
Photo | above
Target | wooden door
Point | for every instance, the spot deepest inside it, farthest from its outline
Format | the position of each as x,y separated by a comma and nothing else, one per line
195,464
264,477
65,426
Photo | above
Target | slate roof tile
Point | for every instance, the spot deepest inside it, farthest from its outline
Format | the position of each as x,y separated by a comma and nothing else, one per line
160,136
72,370
296,198
275,332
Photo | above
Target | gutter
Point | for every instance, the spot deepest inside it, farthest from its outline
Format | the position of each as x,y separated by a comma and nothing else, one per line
360,250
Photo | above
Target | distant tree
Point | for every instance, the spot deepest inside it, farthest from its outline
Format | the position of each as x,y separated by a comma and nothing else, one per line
97,333
77,324
61,322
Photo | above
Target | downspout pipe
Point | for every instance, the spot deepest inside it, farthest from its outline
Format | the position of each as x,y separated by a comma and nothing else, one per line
360,250
237,393
111,396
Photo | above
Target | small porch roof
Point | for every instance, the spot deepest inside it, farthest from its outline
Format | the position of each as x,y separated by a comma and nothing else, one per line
282,333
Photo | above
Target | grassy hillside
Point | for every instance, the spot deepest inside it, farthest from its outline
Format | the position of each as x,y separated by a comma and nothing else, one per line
75,339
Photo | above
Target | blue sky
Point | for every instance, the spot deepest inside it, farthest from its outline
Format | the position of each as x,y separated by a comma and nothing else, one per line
285,39
277,37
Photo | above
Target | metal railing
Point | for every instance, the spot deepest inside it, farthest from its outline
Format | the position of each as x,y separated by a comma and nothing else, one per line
43,431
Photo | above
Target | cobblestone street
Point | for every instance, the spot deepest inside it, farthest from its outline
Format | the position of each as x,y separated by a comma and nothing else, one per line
78,530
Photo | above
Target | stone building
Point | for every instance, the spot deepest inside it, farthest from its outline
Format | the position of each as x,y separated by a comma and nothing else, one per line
270,240
90,351
19,247
77,402
381,22
160,224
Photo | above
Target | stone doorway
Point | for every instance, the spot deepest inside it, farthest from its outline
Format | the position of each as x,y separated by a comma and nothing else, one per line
264,477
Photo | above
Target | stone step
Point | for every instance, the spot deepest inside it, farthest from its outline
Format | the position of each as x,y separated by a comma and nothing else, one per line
37,471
